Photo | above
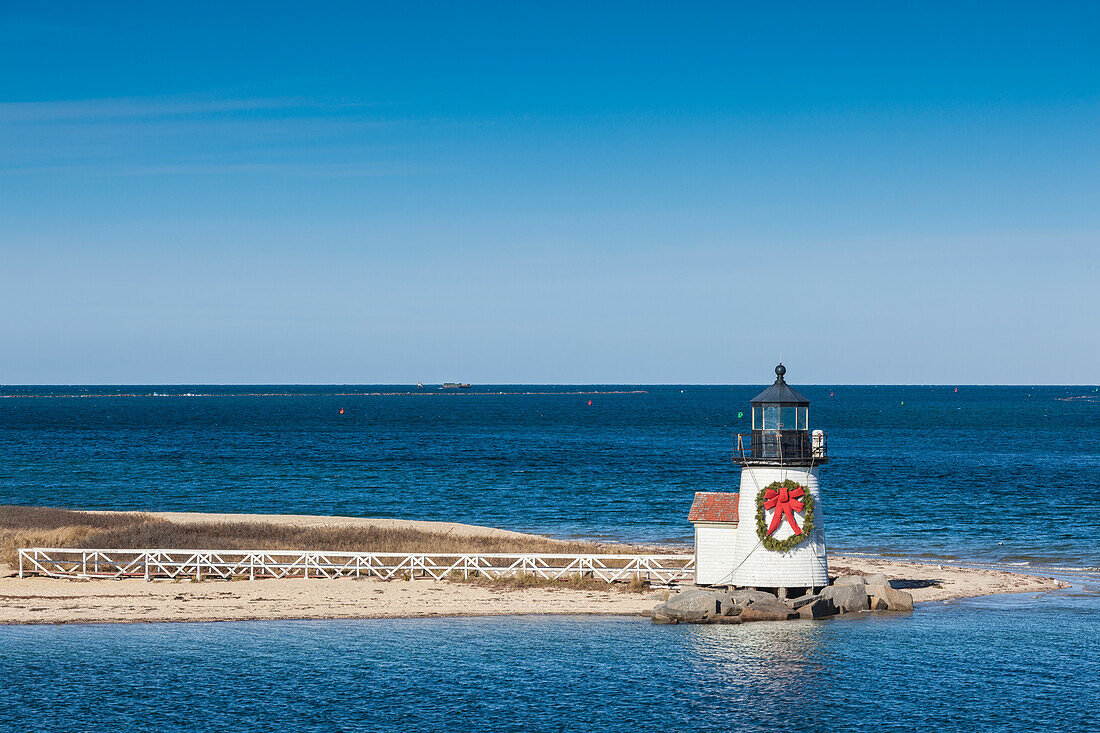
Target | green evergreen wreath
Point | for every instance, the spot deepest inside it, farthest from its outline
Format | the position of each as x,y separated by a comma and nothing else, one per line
769,542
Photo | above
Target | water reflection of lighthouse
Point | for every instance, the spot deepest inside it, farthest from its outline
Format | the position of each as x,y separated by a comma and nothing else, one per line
778,534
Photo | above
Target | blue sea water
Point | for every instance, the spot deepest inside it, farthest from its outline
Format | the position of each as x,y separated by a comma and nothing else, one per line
986,473
997,475
1003,664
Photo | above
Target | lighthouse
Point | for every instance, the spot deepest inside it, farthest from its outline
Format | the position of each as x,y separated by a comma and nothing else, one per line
776,537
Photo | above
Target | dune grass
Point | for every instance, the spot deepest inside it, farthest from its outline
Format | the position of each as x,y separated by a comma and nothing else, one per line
576,581
29,526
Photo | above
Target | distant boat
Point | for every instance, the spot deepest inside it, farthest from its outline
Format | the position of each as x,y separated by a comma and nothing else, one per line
420,385
455,385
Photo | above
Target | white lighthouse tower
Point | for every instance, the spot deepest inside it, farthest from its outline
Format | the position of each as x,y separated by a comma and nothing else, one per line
779,535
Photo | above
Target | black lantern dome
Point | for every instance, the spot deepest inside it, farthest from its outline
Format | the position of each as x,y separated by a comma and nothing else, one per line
781,429
780,393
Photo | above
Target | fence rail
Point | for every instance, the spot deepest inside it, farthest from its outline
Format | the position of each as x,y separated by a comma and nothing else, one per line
254,564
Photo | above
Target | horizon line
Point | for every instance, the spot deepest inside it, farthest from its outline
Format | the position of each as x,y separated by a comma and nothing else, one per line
531,384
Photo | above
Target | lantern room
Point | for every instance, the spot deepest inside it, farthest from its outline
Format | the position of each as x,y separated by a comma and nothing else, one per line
781,429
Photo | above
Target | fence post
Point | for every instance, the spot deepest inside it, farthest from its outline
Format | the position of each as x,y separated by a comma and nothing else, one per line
21,564
146,563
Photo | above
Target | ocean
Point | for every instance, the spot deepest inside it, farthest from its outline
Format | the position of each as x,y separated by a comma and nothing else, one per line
1001,476
998,664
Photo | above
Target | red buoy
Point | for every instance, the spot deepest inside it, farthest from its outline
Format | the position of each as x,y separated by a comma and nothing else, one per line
341,410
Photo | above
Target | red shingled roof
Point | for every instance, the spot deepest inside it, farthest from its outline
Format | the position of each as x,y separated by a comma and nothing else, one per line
713,506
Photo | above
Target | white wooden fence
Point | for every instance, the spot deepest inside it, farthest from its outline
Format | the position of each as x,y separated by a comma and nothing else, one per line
253,564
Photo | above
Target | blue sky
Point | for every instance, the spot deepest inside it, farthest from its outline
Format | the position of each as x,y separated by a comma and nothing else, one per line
634,193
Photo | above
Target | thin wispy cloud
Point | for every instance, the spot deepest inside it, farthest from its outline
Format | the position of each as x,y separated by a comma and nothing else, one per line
365,169
196,135
145,108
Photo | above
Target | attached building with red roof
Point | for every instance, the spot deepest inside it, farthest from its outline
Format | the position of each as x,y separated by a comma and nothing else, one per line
714,515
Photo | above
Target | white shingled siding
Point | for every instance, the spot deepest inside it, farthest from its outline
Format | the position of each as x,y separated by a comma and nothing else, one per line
714,543
752,565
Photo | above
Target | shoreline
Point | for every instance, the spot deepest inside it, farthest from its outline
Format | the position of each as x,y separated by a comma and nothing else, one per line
41,600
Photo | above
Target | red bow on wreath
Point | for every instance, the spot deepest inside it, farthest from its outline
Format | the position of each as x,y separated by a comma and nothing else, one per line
785,503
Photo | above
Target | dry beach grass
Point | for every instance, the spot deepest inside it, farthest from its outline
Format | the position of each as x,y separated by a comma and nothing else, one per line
27,526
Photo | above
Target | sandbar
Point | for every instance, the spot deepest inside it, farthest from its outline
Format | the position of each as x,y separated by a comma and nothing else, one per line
40,600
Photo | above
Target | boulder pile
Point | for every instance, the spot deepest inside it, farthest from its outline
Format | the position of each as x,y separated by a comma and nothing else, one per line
847,594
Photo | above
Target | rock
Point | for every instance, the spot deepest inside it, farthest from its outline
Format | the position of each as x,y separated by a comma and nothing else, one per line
696,600
849,598
745,596
734,601
819,608
900,600
690,617
797,603
665,615
763,610
885,598
692,607
850,580
876,579
661,595
705,606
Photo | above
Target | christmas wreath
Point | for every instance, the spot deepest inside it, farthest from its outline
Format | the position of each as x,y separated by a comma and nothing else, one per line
785,498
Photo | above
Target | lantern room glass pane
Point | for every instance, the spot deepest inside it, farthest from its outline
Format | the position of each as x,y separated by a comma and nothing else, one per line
786,421
757,419
771,417
802,418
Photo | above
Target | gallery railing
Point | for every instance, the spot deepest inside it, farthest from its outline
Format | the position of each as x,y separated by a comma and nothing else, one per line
789,447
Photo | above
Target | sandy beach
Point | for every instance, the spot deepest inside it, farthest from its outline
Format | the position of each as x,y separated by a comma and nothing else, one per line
48,600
